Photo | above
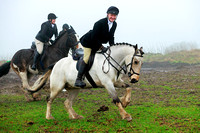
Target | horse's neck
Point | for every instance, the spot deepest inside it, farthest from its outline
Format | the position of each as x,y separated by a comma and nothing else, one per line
60,42
120,52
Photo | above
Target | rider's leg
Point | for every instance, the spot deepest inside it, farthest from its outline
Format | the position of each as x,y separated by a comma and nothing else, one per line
82,69
39,50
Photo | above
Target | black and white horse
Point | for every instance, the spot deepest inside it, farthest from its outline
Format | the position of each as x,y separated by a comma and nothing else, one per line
23,59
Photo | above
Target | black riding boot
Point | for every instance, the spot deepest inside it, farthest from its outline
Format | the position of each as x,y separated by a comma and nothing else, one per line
35,60
81,72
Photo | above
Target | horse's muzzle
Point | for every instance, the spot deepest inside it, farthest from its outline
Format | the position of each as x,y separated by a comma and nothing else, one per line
134,78
134,81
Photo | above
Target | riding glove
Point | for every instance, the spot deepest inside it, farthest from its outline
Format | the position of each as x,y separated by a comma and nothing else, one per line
104,49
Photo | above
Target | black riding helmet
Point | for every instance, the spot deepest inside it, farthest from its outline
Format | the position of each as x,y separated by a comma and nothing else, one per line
113,10
51,16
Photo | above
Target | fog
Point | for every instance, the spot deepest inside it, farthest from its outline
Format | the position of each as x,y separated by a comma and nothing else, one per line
153,24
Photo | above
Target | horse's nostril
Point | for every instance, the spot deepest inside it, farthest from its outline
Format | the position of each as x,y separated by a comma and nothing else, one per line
134,81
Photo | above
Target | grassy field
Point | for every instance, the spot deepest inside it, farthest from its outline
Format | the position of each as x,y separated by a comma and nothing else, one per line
174,114
160,103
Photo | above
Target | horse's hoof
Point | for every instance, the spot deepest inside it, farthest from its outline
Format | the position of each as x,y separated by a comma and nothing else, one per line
80,117
129,119
29,99
77,117
36,96
50,118
126,85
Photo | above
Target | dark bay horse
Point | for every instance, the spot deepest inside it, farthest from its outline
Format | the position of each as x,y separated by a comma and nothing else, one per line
23,59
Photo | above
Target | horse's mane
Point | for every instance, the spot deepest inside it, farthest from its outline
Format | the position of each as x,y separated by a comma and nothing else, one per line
123,43
59,36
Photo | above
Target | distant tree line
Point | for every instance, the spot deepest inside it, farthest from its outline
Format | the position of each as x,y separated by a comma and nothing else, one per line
181,46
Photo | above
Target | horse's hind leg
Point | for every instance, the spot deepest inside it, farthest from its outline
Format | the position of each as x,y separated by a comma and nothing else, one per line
24,80
25,85
126,99
68,104
22,73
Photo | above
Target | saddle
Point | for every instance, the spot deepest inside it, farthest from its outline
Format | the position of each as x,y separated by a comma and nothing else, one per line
33,47
78,56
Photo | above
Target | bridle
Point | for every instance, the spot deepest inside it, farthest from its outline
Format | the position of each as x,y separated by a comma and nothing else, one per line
124,69
73,33
130,64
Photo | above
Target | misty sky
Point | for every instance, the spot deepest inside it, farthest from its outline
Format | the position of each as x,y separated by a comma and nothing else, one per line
153,24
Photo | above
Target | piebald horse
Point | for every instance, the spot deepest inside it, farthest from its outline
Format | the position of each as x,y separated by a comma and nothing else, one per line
22,60
64,75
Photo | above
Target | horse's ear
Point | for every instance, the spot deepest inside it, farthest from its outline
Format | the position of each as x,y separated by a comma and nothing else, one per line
72,28
141,50
136,47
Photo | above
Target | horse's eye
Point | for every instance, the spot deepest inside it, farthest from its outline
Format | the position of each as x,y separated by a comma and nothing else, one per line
136,62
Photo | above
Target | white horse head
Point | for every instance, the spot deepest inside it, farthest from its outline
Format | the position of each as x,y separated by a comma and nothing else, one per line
131,57
64,75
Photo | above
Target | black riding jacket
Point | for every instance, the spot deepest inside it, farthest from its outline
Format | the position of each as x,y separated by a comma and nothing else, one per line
46,32
99,35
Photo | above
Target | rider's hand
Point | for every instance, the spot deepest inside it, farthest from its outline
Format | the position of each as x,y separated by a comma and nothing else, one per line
51,41
104,49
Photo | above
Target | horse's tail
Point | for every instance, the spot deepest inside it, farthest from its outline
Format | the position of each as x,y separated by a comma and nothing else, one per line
4,69
40,82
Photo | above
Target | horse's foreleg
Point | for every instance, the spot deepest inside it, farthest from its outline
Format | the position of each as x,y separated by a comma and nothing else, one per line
68,104
116,100
54,93
55,88
123,113
126,99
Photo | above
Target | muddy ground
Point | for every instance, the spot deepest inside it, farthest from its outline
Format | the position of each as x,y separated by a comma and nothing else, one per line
151,74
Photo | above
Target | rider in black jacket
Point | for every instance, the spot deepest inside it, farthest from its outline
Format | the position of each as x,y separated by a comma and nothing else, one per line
103,32
48,29
100,34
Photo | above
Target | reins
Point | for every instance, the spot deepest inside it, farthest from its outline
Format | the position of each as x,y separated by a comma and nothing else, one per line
108,57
